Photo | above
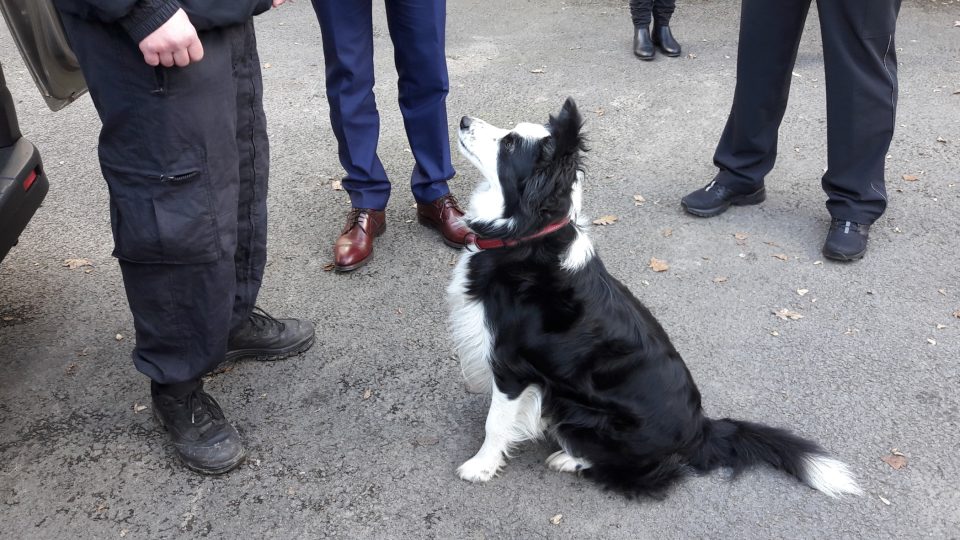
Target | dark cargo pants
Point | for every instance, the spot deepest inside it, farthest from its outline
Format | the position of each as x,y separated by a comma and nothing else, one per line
184,152
860,64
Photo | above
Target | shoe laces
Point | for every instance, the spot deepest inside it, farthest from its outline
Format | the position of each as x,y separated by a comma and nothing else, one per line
203,409
353,219
846,225
261,319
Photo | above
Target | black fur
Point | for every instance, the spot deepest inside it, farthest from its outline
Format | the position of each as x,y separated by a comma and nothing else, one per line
615,389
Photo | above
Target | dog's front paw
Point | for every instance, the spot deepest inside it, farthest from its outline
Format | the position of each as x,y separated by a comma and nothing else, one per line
479,469
561,461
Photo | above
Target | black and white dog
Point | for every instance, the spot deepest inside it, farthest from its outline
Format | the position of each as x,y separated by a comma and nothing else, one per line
568,351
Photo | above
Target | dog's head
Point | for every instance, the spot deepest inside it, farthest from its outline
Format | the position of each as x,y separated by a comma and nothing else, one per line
531,173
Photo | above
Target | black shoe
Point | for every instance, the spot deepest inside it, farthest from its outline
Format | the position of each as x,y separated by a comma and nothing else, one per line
643,44
264,338
846,240
714,199
663,38
202,437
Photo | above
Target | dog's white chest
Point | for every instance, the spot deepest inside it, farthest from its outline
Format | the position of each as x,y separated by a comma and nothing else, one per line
471,334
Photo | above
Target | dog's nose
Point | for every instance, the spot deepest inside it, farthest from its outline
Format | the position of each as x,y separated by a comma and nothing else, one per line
465,122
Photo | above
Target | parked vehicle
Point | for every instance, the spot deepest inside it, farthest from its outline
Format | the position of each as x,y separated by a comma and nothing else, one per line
38,33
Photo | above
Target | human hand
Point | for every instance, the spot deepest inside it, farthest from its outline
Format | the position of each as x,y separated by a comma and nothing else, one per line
174,43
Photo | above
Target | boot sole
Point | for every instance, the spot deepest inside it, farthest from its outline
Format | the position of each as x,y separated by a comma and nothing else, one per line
272,355
427,223
645,58
756,197
231,465
843,256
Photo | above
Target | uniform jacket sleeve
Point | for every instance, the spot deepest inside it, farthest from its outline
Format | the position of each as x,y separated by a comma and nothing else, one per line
141,17
207,14
138,17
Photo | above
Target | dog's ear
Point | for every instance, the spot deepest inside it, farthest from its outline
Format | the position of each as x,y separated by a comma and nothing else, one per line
565,130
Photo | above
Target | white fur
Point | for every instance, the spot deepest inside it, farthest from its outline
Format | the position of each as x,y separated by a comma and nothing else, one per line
509,422
829,475
468,327
480,144
561,461
581,250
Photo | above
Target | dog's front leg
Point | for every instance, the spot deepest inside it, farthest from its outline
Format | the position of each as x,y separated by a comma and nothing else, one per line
509,421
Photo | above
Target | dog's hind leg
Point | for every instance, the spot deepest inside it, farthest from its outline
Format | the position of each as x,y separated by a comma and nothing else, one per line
509,421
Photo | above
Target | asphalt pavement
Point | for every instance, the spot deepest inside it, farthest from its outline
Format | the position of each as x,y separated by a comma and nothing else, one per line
360,436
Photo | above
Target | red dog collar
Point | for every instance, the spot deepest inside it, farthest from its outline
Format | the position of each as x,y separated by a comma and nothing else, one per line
476,243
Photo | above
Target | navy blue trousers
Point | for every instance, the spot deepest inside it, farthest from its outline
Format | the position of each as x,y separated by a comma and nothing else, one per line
185,156
860,62
417,28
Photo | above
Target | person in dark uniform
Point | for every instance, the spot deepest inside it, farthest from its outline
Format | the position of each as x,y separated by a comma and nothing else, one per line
645,44
184,152
861,80
417,28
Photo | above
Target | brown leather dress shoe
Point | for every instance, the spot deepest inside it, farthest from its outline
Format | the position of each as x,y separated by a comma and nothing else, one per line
354,247
444,215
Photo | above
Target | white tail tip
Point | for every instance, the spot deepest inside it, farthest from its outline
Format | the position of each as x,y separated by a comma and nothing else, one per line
829,476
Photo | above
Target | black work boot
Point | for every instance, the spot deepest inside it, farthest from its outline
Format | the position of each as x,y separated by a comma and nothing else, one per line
642,43
714,199
202,437
846,240
264,338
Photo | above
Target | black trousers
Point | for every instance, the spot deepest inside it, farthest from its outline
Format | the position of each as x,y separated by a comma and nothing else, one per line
184,152
861,81
662,10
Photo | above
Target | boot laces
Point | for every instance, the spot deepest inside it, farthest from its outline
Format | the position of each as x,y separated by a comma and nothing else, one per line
261,319
203,408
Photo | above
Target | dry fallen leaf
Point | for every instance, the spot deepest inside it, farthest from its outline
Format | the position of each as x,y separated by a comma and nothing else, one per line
911,177
599,111
73,264
941,140
720,279
941,326
786,314
427,440
605,220
780,256
740,236
556,519
139,408
538,70
657,265
895,460
268,65
957,313
802,292
884,500
71,368
942,291
118,337
367,393
638,200
328,267
931,341
667,233
337,185
774,333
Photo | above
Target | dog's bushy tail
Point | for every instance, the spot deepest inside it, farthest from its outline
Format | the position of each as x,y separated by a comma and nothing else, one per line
738,445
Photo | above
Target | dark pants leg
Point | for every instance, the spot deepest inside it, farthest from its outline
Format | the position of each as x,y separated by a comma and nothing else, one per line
417,28
169,152
769,37
861,71
640,12
346,28
663,11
